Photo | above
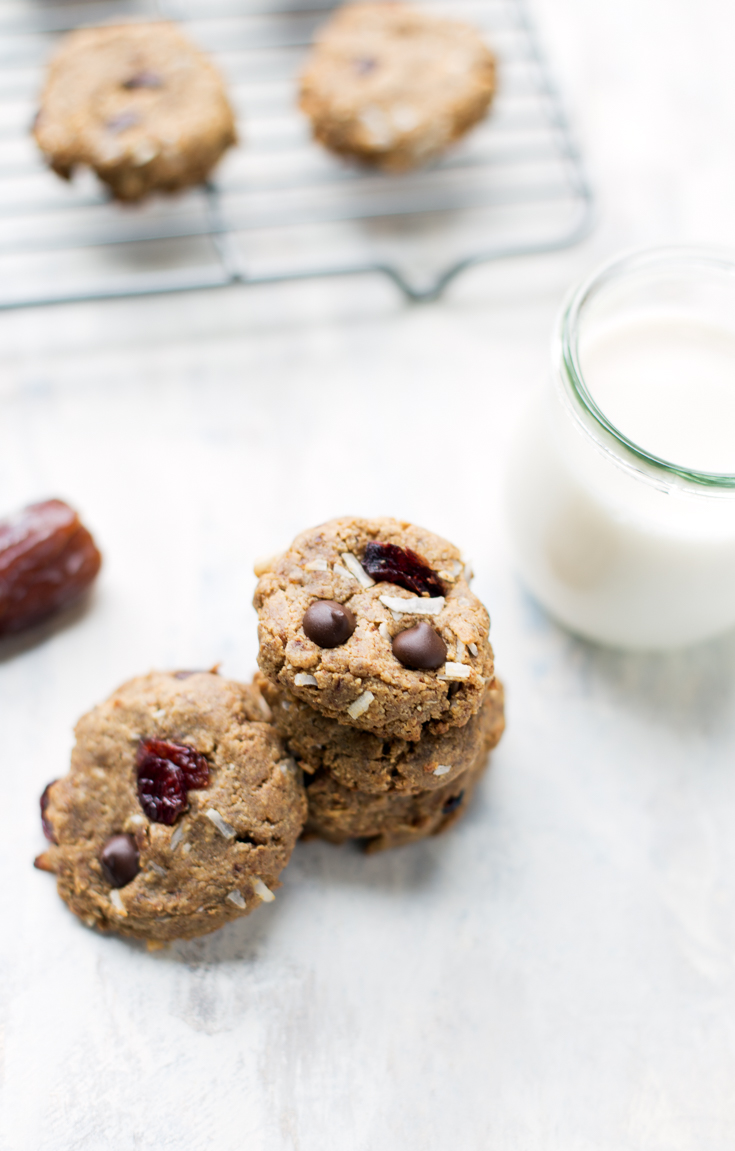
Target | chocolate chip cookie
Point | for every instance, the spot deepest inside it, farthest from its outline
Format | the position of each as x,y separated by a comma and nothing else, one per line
362,761
373,623
387,818
138,103
394,86
180,810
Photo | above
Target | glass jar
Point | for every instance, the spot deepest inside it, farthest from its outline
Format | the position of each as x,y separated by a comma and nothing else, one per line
621,487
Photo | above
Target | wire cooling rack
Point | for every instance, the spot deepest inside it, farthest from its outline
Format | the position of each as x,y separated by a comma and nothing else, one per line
280,207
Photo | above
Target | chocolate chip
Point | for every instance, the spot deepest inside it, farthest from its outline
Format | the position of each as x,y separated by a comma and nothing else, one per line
120,860
122,122
453,803
420,648
143,80
48,830
364,65
328,623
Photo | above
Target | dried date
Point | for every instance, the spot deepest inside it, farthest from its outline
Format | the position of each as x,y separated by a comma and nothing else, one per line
48,559
389,563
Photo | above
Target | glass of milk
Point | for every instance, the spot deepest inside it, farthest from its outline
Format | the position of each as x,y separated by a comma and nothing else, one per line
621,489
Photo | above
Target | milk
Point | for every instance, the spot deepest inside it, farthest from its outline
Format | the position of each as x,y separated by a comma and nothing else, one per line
618,551
668,384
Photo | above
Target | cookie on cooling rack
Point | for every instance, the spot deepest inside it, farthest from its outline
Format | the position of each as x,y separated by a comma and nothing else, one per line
139,104
394,86
180,810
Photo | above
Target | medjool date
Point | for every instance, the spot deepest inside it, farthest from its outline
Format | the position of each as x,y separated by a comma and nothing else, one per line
47,560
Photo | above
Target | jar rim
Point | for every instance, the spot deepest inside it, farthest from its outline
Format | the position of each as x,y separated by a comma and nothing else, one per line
568,336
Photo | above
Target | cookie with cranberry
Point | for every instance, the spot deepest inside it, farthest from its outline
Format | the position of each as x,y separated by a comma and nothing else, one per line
180,811
361,760
394,86
373,623
139,104
387,818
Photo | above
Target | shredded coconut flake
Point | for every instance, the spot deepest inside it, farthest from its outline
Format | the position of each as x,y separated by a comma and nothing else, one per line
359,706
264,564
287,766
473,649
158,870
385,631
236,898
303,679
159,713
456,671
262,891
354,566
414,605
450,577
377,127
460,651
342,572
404,117
186,848
442,769
320,565
177,836
117,903
221,824
144,153
265,710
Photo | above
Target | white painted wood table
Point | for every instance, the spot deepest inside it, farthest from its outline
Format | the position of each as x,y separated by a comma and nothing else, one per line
559,971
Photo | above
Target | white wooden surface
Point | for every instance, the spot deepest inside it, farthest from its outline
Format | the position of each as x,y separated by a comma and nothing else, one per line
559,972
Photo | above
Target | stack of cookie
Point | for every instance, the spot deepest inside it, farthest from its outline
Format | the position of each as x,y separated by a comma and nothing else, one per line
185,799
377,667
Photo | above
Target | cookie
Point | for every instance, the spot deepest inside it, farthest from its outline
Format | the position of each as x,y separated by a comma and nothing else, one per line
360,760
138,103
388,818
401,652
393,86
179,812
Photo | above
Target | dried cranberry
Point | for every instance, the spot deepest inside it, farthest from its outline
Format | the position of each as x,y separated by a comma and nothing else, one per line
387,563
48,830
364,65
47,560
166,772
143,80
123,121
